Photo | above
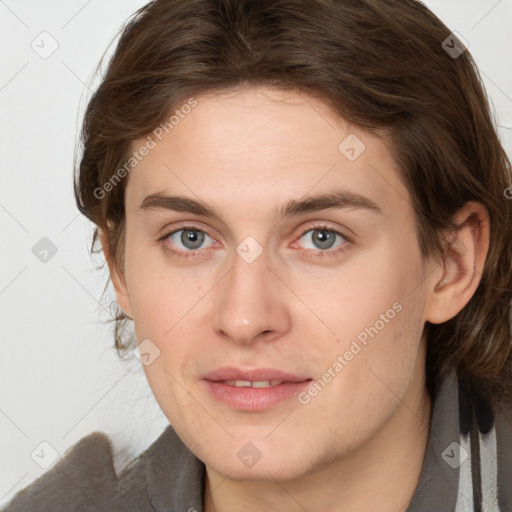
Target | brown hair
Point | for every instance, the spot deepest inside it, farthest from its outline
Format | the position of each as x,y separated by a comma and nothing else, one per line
379,64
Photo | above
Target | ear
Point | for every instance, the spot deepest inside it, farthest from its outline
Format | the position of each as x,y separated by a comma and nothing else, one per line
117,277
463,264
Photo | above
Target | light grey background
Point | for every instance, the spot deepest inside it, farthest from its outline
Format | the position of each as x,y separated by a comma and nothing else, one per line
60,377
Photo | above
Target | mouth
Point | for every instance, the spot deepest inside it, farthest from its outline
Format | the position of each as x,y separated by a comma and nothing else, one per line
253,390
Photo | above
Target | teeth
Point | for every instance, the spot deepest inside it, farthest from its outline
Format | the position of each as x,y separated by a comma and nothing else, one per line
239,383
254,384
265,383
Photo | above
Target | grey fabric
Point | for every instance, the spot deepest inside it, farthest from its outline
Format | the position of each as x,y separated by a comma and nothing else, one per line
504,440
167,477
438,484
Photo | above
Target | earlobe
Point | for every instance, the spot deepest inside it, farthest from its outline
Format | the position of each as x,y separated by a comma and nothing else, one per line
118,280
462,265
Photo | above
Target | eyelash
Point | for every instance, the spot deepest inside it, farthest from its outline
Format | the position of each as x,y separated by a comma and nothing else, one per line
316,254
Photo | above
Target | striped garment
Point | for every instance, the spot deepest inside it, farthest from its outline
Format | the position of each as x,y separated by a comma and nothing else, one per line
468,463
478,454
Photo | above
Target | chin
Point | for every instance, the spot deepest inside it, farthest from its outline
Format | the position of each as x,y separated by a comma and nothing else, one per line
245,460
262,471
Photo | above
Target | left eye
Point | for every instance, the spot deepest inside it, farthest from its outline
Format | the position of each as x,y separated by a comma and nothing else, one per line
323,238
191,239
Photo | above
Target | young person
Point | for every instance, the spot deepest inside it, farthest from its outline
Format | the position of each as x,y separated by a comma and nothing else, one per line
303,209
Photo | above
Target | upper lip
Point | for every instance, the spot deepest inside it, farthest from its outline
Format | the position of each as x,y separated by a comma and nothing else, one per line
252,375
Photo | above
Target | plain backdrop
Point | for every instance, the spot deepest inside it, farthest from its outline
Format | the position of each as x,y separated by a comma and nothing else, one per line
60,376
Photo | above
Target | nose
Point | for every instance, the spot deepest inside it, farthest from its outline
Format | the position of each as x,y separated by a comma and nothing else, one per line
251,303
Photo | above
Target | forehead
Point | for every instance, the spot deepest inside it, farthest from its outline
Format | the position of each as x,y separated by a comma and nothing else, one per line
259,146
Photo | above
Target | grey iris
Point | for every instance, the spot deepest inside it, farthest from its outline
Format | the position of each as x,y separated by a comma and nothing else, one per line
189,236
324,240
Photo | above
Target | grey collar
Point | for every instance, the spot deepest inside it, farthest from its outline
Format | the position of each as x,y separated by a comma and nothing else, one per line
438,483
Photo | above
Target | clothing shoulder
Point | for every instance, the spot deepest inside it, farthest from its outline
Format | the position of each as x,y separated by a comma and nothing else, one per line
504,454
85,480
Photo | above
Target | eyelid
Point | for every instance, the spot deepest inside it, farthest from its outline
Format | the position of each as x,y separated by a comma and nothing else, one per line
178,226
323,225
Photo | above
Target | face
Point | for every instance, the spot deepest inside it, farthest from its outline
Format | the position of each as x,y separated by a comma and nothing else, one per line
282,331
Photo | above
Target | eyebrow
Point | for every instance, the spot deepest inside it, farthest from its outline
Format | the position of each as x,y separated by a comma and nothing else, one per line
337,199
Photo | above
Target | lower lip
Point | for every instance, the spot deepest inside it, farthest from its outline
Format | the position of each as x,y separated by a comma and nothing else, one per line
255,399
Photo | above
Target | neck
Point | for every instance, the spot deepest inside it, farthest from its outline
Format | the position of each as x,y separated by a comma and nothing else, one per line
382,474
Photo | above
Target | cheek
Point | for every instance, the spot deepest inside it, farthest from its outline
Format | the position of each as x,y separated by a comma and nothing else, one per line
364,376
159,295
170,309
367,291
374,310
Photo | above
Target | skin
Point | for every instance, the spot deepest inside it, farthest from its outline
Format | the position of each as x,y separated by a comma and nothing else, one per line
359,444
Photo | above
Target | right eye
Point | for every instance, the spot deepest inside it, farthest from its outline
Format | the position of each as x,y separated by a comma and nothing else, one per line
190,239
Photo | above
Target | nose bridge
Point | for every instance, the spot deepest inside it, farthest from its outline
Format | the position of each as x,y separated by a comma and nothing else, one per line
249,303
